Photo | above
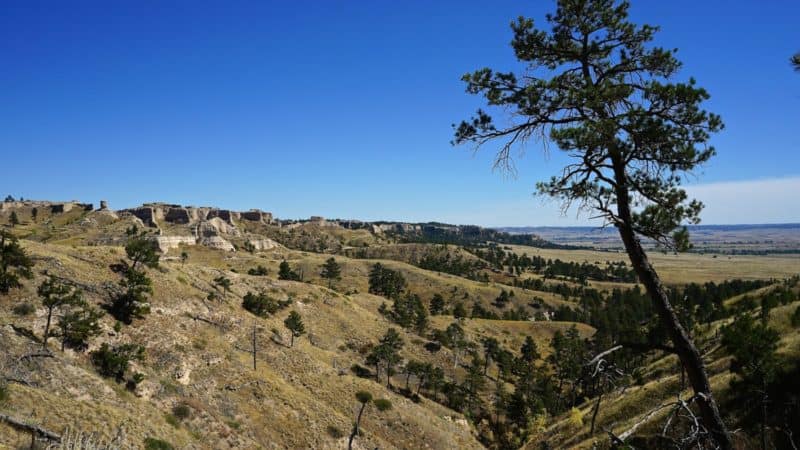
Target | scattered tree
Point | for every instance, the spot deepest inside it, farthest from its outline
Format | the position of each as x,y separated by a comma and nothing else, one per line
13,219
184,257
56,294
34,213
331,271
386,352
224,283
529,350
795,60
491,347
14,263
386,282
133,302
79,323
113,362
294,323
259,271
753,346
365,398
437,304
285,272
262,304
597,90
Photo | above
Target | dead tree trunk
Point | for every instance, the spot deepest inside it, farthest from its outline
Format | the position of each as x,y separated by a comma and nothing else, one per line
33,429
255,349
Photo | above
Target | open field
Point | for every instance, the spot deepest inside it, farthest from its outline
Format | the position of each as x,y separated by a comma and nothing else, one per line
767,238
687,267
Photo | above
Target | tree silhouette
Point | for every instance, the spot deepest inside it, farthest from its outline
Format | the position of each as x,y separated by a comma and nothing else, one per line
13,219
595,89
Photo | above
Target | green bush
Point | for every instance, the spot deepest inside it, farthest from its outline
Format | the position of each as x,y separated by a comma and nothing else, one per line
334,432
172,420
181,411
114,361
262,304
258,271
382,404
24,309
157,444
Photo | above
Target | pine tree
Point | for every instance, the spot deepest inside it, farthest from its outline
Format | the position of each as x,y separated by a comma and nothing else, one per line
753,346
331,271
14,263
224,283
597,89
132,302
285,272
387,352
56,294
365,398
491,347
79,323
437,304
13,219
294,323
529,350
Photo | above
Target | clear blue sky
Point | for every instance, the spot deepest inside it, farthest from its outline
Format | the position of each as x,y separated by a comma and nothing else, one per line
343,108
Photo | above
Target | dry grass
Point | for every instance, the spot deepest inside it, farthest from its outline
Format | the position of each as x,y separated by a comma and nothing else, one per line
687,267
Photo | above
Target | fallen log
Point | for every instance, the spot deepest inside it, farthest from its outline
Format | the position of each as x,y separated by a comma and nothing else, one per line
34,429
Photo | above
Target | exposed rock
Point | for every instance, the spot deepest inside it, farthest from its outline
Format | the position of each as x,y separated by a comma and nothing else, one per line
217,242
177,215
264,244
224,214
146,214
215,227
103,205
256,215
166,243
59,208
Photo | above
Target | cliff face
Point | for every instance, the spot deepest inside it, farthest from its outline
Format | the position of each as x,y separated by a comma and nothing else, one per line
153,213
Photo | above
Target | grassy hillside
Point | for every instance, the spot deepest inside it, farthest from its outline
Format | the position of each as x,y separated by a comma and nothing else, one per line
200,390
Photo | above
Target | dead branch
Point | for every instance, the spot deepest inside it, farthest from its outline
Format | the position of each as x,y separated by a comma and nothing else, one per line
30,428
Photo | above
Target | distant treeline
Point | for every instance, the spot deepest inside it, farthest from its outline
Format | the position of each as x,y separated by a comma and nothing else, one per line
465,235
554,268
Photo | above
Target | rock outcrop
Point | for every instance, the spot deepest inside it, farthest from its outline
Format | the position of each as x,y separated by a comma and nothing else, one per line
167,243
263,244
256,215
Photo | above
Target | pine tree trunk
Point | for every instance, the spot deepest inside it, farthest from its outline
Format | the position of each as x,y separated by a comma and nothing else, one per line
684,347
596,410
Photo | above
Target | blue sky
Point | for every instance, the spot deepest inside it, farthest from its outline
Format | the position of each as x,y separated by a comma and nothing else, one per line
343,108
